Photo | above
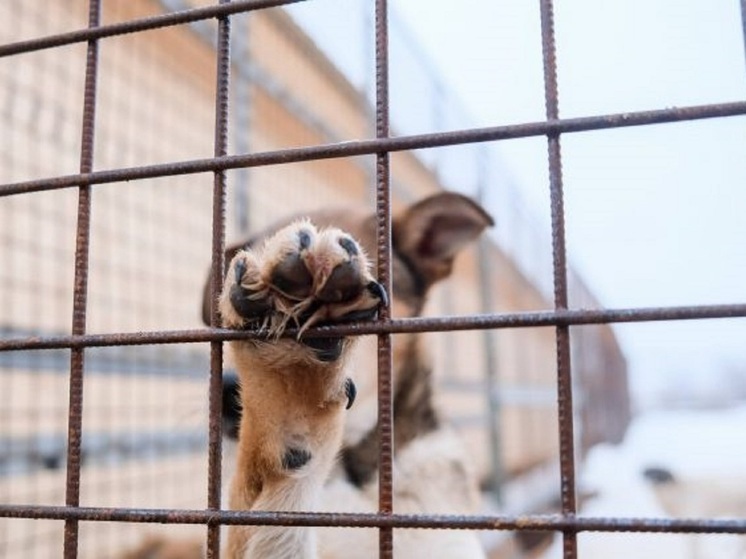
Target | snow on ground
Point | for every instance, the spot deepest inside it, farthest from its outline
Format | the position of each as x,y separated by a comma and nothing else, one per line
704,446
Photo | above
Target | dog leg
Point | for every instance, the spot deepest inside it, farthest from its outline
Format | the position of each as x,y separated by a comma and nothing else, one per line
293,391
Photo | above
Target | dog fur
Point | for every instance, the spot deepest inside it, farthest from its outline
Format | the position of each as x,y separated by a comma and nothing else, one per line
701,497
299,447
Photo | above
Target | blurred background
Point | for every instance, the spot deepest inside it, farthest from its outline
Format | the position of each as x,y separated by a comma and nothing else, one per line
654,218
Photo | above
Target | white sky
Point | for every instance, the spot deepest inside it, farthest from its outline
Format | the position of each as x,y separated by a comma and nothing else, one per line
654,214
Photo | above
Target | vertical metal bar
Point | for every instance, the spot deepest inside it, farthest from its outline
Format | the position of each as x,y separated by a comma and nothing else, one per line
383,211
214,469
80,289
564,371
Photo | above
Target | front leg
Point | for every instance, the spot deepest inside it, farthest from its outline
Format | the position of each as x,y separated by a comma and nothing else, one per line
293,391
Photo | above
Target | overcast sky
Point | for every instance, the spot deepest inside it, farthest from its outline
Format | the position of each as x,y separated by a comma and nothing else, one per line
655,214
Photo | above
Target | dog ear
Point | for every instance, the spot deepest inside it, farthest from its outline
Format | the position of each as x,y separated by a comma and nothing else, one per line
429,234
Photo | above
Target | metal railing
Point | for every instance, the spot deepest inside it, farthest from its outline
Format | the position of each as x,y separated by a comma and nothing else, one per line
561,318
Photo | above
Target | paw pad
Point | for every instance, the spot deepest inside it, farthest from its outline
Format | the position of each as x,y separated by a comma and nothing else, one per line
304,277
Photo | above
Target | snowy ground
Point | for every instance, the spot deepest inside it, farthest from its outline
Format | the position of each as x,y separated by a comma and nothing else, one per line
703,449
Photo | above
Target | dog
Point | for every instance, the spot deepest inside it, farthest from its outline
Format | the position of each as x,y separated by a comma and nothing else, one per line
307,436
703,497
712,496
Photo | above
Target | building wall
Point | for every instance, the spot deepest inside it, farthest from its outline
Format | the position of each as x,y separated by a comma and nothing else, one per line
145,407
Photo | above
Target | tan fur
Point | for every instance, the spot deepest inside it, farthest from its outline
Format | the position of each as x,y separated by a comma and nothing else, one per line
312,397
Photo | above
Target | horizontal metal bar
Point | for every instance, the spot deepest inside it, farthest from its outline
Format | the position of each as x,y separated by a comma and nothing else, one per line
135,25
570,317
367,147
544,523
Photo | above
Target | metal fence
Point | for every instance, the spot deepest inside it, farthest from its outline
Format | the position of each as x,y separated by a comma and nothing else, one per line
561,318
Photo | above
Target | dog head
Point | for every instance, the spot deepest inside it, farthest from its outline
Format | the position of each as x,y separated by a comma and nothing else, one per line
426,238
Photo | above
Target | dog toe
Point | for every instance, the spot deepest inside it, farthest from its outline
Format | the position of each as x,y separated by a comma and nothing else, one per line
246,304
291,277
243,299
344,283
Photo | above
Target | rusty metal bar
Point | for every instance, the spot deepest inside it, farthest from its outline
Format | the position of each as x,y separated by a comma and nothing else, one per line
570,317
215,432
391,144
136,25
383,214
80,293
559,260
374,520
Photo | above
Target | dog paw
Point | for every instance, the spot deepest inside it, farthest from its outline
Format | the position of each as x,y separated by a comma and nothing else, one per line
301,277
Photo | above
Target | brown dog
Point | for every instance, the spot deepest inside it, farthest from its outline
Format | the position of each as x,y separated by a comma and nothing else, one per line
299,446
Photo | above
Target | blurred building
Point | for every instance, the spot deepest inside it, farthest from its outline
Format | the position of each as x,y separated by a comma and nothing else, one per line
145,408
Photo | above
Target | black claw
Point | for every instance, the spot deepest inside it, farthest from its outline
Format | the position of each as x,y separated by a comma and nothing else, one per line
304,239
240,270
349,245
377,290
231,405
295,458
351,392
